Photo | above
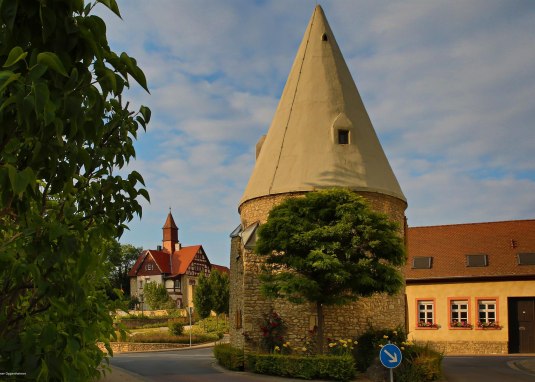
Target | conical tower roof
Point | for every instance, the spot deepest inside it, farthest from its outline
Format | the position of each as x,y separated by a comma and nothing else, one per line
319,111
169,222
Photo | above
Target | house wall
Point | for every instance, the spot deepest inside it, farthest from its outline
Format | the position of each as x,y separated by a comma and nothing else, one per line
461,340
247,305
134,285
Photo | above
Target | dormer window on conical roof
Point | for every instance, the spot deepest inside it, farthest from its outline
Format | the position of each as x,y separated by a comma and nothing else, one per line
343,137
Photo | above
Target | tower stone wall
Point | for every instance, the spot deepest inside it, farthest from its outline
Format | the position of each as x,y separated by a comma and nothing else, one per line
247,305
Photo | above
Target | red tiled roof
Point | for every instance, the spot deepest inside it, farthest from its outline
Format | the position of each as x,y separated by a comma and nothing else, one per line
448,245
137,264
182,259
172,265
162,260
221,268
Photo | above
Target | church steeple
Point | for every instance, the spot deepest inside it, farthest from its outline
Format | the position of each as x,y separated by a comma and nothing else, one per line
170,234
321,135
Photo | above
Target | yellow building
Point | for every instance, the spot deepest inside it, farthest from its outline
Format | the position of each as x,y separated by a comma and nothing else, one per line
471,287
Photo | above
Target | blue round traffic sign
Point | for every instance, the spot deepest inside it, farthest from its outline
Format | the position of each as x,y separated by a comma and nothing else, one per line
390,356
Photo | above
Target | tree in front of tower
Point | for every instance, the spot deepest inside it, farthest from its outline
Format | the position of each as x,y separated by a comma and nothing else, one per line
329,248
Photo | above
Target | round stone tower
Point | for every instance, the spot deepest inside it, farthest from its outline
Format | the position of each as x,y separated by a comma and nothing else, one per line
320,137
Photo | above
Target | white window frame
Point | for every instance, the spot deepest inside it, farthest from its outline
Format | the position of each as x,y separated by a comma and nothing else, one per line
458,308
484,312
427,307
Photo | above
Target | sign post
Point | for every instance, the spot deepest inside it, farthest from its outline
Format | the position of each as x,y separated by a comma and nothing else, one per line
390,357
190,311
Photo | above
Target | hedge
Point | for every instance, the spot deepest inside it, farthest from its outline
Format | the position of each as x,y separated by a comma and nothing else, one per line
229,357
340,368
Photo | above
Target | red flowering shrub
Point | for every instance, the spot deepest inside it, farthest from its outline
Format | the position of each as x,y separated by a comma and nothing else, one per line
273,329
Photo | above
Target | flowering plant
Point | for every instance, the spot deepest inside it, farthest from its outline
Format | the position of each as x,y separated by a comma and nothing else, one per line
488,325
272,329
460,324
310,342
395,339
340,347
428,324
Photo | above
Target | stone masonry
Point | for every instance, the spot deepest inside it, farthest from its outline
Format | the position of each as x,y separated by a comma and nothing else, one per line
248,305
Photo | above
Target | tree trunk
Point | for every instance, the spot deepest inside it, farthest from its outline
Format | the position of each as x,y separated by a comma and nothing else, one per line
319,310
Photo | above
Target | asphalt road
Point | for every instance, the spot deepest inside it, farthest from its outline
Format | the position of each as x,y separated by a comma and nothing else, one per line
198,365
486,368
184,365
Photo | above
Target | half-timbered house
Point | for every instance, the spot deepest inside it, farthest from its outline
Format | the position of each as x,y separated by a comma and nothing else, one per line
172,265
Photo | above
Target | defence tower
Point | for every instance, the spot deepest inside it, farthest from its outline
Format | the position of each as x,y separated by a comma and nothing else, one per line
320,137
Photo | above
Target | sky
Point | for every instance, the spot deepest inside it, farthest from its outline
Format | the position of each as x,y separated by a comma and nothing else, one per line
449,87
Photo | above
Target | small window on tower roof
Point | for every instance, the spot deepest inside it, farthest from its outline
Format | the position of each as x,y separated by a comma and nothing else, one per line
526,258
343,137
477,260
324,37
422,262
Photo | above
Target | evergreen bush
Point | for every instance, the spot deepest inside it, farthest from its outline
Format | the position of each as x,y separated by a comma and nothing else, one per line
176,328
229,357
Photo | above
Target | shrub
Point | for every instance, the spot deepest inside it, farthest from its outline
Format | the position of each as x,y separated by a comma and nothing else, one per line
176,328
229,357
166,338
420,364
133,302
214,324
273,329
340,368
369,345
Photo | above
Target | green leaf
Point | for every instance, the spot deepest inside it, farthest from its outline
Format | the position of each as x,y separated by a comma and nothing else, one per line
15,56
52,61
145,194
112,5
7,77
134,70
145,112
7,102
41,96
37,71
9,13
19,180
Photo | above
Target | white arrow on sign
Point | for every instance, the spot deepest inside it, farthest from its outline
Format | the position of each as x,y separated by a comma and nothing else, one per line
393,358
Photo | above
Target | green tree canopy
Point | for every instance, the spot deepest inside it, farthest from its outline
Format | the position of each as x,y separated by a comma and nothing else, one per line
65,133
220,291
122,258
329,248
157,297
202,297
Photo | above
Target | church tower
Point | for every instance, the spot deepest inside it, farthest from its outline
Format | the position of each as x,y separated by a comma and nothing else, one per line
170,241
320,137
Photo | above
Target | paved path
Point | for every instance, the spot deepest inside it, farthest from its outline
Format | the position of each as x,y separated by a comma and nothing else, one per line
489,369
198,364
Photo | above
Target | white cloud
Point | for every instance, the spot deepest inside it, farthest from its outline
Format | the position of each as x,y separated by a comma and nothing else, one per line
448,86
